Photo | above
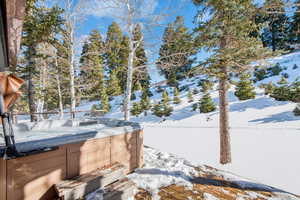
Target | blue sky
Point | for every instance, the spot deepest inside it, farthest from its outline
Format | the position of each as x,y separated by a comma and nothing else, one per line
101,20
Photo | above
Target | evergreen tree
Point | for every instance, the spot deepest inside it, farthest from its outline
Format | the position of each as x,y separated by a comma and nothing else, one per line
245,89
206,104
174,61
281,92
140,75
297,110
162,109
275,35
113,84
294,96
116,56
41,25
104,100
206,85
92,70
133,97
295,25
136,109
145,102
227,34
194,107
190,96
176,99
123,56
113,46
165,97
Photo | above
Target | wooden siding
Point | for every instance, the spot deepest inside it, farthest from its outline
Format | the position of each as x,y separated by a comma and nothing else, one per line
88,156
123,150
2,179
33,177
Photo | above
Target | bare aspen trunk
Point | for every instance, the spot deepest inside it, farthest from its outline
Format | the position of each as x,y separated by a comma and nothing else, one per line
41,98
225,150
72,74
129,80
31,90
60,103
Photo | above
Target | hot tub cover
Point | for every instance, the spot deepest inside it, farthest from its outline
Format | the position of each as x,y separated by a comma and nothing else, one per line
50,133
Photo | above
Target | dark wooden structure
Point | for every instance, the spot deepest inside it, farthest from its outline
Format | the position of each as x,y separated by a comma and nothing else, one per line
33,177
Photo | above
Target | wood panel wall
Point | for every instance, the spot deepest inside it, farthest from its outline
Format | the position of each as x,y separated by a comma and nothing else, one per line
33,177
2,179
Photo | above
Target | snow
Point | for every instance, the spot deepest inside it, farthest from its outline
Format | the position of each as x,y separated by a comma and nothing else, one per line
164,169
210,197
265,134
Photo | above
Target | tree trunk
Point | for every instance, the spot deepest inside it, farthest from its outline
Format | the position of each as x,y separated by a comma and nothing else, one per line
225,150
41,98
129,80
72,74
60,102
31,90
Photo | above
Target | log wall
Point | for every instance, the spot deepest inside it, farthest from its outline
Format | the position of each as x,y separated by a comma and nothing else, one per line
33,177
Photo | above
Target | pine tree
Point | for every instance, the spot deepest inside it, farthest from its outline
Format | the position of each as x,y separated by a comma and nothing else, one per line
141,74
145,102
123,56
206,104
227,33
295,25
281,92
92,70
162,109
104,100
136,109
245,89
294,96
113,85
275,35
113,46
116,56
37,29
133,96
297,110
190,96
165,97
176,99
174,61
206,85
194,106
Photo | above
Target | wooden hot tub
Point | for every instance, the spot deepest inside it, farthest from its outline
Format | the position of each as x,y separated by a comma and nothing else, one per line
83,146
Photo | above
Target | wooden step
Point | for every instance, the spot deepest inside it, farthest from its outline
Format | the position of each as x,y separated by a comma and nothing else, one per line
82,185
120,190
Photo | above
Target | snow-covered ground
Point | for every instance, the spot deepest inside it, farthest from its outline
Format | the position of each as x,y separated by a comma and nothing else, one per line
164,169
265,134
